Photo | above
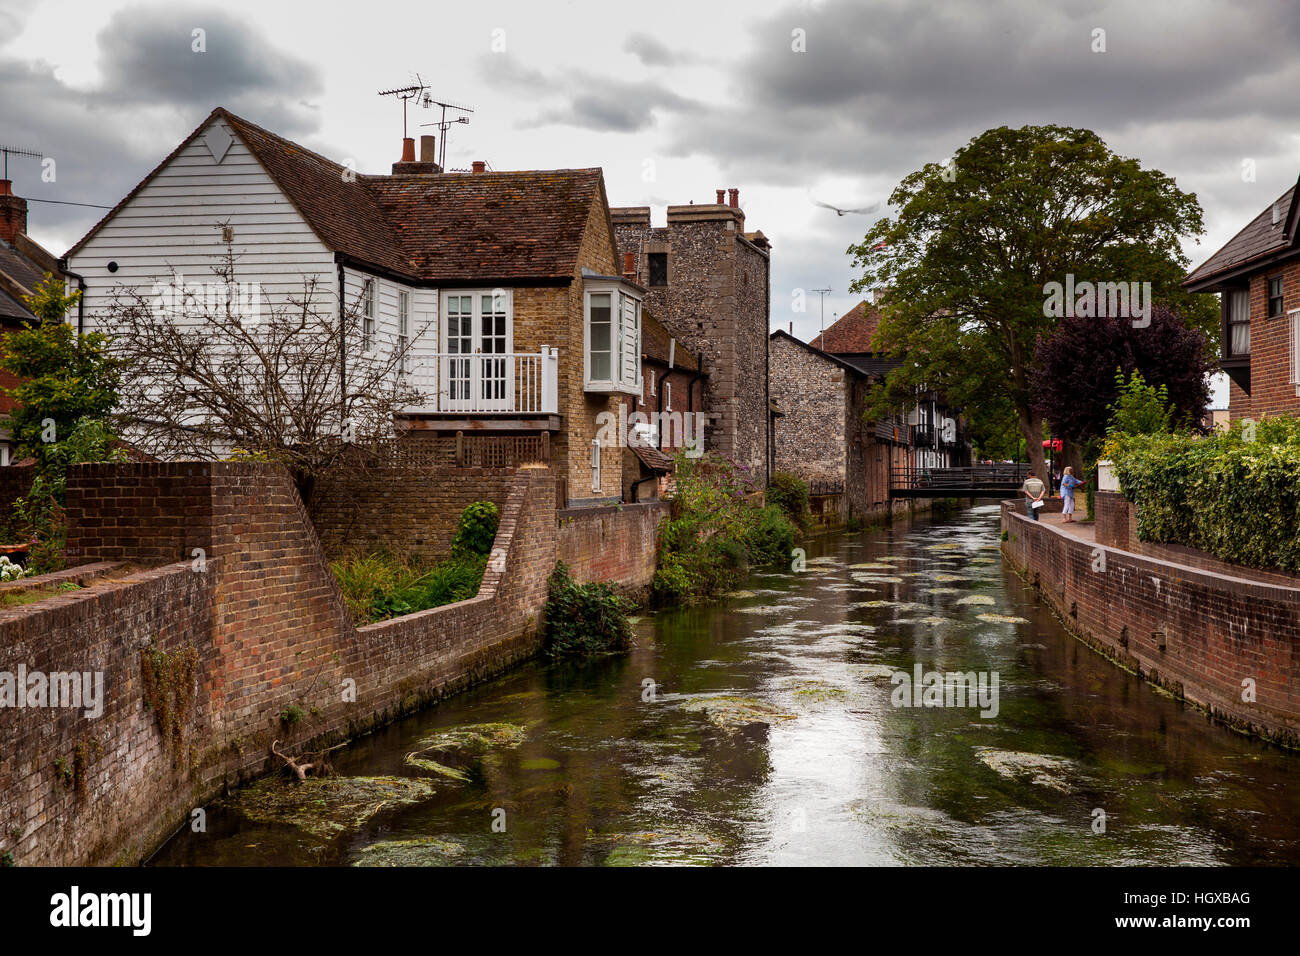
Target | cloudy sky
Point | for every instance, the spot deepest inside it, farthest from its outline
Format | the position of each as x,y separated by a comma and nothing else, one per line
693,97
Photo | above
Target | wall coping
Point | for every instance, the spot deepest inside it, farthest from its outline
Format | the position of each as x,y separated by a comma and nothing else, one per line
1250,586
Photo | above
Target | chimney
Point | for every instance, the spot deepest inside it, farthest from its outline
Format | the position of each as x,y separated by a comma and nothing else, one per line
735,198
13,213
427,153
721,193
480,166
408,150
629,264
1277,214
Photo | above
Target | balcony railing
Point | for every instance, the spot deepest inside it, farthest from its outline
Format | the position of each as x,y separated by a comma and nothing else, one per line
516,383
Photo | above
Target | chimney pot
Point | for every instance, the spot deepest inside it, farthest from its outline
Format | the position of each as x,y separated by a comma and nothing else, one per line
629,264
721,193
735,198
480,166
408,150
13,213
6,187
427,152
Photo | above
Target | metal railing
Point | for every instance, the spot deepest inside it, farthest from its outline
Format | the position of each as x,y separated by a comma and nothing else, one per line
988,477
485,383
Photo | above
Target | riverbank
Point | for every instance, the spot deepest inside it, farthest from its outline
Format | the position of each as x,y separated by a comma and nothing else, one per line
1226,643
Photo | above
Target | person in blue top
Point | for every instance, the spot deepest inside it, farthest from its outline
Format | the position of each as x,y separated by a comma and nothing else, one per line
1068,484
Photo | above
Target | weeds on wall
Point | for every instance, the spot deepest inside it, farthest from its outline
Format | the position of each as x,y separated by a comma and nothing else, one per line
168,681
717,531
380,586
790,493
584,620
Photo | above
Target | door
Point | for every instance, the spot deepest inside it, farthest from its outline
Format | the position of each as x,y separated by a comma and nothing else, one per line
477,369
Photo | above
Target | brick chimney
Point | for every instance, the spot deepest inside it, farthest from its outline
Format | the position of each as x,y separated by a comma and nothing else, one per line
13,213
408,150
734,195
427,152
479,166
721,193
407,165
629,265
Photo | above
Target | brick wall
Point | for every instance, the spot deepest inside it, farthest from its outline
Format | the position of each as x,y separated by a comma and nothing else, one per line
1270,364
1197,633
15,482
612,544
405,511
269,629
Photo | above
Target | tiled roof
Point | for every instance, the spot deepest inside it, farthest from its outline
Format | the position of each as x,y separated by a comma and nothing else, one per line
1260,238
438,228
852,332
655,341
833,359
12,309
653,458
23,274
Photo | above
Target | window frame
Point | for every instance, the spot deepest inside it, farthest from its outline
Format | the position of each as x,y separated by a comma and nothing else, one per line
369,293
1229,322
403,330
1280,298
617,290
650,270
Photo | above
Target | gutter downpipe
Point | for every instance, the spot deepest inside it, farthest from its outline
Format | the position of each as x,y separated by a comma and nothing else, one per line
343,345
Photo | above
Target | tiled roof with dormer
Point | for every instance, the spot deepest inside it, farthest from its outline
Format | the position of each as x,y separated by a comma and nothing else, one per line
1261,238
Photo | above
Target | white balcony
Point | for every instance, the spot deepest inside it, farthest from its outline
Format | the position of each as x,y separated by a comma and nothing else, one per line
485,384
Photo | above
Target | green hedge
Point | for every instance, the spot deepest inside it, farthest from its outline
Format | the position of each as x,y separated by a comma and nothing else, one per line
1231,494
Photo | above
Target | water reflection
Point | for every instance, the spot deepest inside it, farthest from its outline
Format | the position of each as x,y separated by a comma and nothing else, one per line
769,736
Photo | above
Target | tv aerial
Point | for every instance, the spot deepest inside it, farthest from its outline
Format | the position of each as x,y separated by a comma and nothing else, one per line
444,124
417,91
16,151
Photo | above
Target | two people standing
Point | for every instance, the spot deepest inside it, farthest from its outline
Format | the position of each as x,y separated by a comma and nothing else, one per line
1035,491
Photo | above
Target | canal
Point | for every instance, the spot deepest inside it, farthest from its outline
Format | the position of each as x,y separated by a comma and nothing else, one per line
764,730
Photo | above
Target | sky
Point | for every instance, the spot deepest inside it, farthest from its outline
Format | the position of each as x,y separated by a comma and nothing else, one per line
794,103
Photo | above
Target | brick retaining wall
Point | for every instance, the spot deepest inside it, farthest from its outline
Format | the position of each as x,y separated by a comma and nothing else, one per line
1197,633
269,630
616,543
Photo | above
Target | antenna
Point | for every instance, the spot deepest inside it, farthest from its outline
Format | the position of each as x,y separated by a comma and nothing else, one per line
7,150
444,123
406,94
823,292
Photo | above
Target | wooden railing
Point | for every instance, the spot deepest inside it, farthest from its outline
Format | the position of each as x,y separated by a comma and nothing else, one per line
463,451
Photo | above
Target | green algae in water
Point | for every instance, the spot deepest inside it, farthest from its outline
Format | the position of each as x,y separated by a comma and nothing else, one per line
733,713
1002,619
539,763
474,739
980,599
1037,768
416,762
418,852
326,806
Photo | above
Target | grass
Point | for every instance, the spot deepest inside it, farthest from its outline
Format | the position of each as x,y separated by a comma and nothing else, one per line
380,586
19,596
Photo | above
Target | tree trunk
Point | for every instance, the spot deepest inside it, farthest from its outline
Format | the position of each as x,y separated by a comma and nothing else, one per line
1031,427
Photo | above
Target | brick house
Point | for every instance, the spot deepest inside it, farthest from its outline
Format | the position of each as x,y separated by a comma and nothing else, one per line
708,282
1257,277
23,264
929,433
505,286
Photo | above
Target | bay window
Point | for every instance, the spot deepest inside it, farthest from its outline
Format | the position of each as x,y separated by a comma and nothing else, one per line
611,338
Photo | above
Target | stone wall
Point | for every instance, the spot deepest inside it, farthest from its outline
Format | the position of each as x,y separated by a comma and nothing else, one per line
716,304
811,392
268,631
1206,637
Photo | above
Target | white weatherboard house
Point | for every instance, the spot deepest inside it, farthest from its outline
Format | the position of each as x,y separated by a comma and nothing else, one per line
528,327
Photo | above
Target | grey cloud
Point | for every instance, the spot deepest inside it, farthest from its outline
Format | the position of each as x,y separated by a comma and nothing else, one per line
654,52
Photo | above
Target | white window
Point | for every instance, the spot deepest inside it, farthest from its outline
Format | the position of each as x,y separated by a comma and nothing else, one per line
368,316
668,396
612,339
477,369
595,464
404,330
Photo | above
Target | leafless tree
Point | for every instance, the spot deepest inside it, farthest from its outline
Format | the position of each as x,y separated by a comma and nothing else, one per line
217,370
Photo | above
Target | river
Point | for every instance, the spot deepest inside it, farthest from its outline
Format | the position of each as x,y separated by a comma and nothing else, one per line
763,730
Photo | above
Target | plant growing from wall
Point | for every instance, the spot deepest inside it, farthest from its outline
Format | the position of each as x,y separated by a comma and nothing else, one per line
168,681
477,529
583,620
379,586
789,492
716,532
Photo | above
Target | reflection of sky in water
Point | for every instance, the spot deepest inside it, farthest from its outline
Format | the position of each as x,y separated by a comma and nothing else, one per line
772,739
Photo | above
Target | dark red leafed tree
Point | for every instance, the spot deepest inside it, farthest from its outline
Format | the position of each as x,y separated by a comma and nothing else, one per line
1073,374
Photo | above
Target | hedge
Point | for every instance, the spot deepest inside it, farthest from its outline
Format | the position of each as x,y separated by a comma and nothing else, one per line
1232,494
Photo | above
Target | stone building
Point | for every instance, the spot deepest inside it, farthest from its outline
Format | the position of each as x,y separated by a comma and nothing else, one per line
707,282
1257,276
823,435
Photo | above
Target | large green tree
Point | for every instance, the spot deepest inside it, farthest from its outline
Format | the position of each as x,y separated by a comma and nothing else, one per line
975,242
